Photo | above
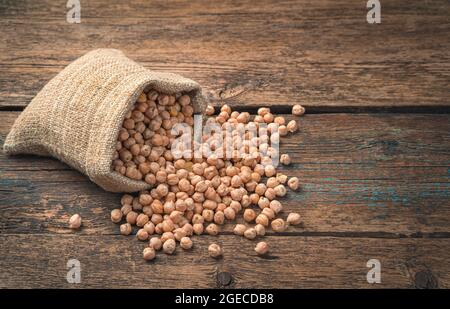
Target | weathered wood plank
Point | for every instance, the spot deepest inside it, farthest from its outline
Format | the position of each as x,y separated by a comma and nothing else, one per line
389,178
320,53
39,261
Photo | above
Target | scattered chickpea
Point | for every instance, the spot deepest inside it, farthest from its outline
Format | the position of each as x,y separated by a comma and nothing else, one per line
198,228
187,193
285,159
298,110
260,230
293,183
155,243
262,248
169,246
239,229
293,218
249,215
250,233
149,254
212,229
142,235
209,110
278,225
186,243
215,250
116,215
126,229
292,126
75,221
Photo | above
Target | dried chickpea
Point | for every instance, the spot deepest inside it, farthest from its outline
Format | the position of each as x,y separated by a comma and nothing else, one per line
276,206
149,254
293,218
116,215
212,229
250,233
292,126
249,215
198,228
278,225
261,248
141,220
186,243
142,235
75,221
298,110
285,159
126,229
260,230
239,229
262,219
155,243
209,110
169,246
280,190
215,250
293,183
131,217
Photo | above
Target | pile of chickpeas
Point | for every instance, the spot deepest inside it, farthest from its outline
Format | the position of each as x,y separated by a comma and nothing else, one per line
199,195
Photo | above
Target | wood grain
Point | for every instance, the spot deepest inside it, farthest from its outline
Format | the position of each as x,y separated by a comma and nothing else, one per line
389,178
38,261
320,53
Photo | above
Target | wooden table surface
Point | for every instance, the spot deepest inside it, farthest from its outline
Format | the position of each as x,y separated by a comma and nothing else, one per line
373,152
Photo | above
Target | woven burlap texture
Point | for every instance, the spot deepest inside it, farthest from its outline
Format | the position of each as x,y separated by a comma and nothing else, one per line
76,117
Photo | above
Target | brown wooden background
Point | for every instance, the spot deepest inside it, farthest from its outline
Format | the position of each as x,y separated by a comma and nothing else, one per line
372,154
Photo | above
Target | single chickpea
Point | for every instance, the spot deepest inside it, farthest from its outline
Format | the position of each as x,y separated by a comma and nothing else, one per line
278,225
149,254
126,199
260,230
262,248
285,159
209,110
169,246
276,206
229,212
280,190
262,219
279,120
131,217
126,209
149,227
293,218
141,220
250,233
281,178
298,110
198,228
155,243
263,202
75,221
239,229
142,235
282,130
186,243
249,215
292,126
293,183
116,215
126,229
219,217
269,170
269,213
212,229
215,250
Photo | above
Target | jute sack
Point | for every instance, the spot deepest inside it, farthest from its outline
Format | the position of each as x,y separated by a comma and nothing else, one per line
76,117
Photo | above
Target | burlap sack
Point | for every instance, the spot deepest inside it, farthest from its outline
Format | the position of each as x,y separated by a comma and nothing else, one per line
76,117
